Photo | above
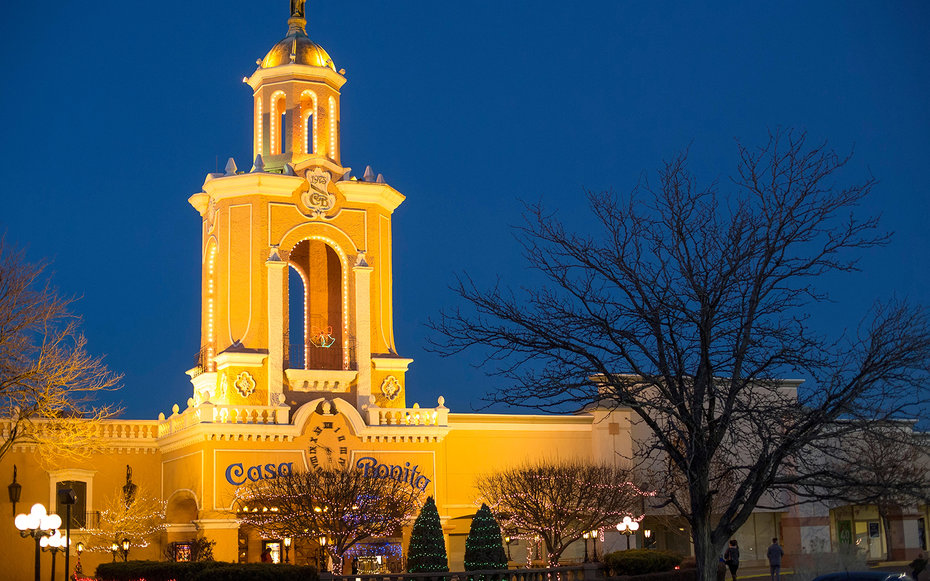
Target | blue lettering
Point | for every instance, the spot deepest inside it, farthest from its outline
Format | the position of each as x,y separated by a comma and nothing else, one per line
235,471
372,469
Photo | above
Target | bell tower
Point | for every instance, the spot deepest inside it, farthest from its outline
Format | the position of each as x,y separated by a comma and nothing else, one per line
296,256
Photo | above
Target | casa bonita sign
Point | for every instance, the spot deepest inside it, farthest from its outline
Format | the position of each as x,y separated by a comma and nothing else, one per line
237,474
405,473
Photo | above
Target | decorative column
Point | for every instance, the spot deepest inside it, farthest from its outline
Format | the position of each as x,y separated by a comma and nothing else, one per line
276,271
363,327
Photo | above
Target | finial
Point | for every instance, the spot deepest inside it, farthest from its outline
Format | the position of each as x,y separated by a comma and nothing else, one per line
297,8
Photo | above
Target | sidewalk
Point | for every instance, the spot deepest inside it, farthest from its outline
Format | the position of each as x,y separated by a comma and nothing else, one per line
758,572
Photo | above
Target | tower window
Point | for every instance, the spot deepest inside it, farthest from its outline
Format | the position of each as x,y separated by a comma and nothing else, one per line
308,105
316,331
278,117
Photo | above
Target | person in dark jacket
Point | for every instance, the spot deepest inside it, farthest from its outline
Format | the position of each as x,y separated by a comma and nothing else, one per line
775,553
731,558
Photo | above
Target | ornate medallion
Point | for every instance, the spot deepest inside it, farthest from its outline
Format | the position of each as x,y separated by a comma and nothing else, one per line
317,197
390,387
245,385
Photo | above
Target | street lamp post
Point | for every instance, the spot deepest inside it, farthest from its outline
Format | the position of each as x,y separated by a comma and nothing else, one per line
67,497
125,544
322,541
627,527
507,540
77,566
53,544
586,536
594,544
287,549
38,524
113,549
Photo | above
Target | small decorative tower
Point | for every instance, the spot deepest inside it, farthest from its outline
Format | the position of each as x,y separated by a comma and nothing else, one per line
296,256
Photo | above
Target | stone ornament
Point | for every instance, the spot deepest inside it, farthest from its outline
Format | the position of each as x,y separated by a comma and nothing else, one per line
224,387
245,385
317,197
390,387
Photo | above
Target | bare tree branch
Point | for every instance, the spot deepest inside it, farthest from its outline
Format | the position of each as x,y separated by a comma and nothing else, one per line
686,305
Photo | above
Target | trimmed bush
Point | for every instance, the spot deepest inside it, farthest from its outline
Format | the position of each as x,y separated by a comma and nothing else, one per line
203,571
641,561
484,548
427,550
257,572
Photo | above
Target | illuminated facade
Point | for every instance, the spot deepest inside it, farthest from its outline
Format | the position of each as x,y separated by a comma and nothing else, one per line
298,364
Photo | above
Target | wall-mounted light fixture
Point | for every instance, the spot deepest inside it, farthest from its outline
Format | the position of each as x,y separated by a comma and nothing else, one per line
16,489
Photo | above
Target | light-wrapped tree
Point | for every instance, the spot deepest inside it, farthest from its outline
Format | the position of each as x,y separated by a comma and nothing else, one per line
484,548
341,503
427,551
129,513
560,501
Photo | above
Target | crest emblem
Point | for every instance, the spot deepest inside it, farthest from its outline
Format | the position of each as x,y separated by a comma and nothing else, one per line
390,387
317,198
245,385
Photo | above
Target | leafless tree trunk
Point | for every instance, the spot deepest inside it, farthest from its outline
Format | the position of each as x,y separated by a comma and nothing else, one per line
685,307
47,378
560,501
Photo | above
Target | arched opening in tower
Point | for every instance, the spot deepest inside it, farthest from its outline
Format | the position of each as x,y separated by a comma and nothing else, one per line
278,122
307,113
315,325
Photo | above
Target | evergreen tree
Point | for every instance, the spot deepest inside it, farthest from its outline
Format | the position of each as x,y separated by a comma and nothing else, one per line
484,548
427,551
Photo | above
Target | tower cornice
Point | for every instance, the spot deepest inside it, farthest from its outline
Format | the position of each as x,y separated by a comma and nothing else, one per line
378,194
295,72
266,184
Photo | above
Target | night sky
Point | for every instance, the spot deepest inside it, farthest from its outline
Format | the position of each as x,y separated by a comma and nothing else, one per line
113,113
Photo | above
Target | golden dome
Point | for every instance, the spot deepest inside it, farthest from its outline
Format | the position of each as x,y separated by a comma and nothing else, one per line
297,48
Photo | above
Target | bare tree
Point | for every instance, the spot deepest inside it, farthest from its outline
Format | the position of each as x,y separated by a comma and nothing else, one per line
47,377
560,501
685,306
342,503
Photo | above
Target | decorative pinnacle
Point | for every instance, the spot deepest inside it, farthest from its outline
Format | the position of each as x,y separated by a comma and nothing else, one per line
297,20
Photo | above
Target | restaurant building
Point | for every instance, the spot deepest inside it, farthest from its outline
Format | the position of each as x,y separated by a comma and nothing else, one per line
298,364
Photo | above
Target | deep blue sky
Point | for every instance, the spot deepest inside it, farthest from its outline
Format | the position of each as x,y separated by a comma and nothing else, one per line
112,114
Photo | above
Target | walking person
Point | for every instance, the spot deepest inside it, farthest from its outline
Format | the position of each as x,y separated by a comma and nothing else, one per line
731,558
775,554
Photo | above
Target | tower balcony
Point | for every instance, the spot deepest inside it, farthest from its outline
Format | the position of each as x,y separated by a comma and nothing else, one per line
314,367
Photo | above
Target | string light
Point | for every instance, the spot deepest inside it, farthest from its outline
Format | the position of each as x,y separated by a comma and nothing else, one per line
332,128
484,548
277,98
211,278
258,124
427,552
